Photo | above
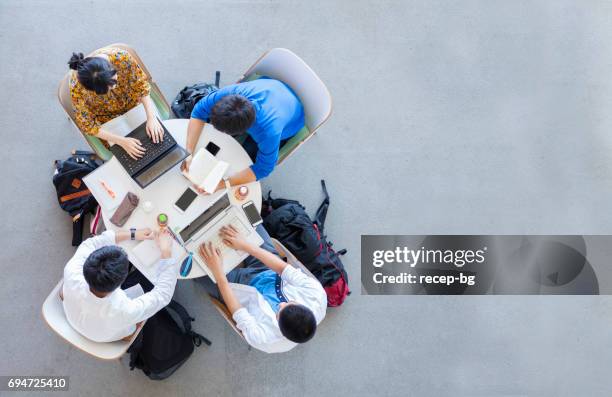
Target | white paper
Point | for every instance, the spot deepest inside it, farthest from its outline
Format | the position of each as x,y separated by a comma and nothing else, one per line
206,171
148,254
109,173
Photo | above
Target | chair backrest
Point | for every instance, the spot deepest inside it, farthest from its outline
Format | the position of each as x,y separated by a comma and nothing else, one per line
63,95
225,313
283,253
53,313
284,65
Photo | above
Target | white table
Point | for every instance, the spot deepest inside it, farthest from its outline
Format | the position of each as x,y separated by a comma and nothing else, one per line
164,192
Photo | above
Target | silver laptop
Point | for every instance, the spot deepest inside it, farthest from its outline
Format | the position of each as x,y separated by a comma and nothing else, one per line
206,226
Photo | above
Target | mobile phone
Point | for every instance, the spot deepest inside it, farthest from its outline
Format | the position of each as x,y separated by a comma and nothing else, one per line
212,148
252,214
186,199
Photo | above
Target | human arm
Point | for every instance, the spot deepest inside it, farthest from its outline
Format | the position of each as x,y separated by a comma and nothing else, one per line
141,234
154,127
212,257
252,331
232,238
147,305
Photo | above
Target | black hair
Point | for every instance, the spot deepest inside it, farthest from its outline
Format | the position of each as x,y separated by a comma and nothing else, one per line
94,73
297,323
232,114
106,268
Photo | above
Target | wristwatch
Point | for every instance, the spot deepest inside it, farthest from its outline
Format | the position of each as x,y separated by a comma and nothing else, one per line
133,233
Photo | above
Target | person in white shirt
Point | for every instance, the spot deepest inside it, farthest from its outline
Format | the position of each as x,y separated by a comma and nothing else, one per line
275,305
94,304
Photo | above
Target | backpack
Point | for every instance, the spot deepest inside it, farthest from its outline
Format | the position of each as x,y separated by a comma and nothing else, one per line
165,342
287,221
187,98
72,194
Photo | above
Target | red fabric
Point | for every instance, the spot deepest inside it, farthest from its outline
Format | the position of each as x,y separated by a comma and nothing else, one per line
336,292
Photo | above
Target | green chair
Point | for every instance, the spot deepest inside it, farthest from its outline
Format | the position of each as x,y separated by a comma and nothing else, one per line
160,102
282,64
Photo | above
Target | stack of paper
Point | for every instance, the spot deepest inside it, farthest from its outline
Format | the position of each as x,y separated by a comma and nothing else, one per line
206,171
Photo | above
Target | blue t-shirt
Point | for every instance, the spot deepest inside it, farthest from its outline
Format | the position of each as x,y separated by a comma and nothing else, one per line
265,284
278,115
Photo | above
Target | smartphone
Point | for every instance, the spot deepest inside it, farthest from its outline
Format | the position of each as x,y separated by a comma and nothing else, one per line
251,213
212,148
186,199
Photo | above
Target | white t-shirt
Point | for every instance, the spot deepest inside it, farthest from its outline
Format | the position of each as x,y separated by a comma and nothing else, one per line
257,320
115,316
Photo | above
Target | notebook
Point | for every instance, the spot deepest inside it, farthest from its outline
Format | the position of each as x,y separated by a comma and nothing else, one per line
149,254
106,187
206,171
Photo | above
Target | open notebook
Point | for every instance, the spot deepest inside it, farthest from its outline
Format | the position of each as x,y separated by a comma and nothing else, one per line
148,254
206,171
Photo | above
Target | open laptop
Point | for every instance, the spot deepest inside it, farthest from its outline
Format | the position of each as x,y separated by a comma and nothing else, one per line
205,228
157,159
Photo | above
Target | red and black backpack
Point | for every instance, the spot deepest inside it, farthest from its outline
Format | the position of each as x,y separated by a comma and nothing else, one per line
287,221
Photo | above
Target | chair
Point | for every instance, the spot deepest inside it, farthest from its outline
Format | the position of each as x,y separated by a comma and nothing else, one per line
283,253
160,102
53,313
284,65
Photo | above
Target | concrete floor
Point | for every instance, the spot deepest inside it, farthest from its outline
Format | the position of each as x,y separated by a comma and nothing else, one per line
449,117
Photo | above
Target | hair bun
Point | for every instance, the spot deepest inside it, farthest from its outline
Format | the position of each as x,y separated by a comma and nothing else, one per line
75,60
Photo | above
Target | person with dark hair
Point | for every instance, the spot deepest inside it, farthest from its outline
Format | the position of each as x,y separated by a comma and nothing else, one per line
106,85
94,303
275,305
266,111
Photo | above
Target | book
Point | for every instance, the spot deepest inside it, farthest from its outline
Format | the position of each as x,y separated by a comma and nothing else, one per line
206,171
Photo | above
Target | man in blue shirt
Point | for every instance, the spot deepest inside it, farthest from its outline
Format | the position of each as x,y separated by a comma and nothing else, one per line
266,109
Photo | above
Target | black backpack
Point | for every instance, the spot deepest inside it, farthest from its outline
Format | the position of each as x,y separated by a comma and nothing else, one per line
72,194
165,342
188,97
287,221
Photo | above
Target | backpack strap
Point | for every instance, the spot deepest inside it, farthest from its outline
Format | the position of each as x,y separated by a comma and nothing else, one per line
198,339
321,214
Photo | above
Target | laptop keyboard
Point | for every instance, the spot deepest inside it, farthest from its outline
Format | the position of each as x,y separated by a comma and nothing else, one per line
216,240
152,150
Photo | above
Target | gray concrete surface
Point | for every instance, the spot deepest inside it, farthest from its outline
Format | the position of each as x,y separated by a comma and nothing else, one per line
449,117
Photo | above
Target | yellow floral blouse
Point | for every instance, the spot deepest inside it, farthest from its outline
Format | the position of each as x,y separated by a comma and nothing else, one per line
93,110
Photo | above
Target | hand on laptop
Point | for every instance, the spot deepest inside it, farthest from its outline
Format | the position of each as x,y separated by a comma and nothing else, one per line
232,238
133,147
213,259
154,130
163,238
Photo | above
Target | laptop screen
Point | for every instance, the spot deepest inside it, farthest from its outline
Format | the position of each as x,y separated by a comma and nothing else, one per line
201,221
158,168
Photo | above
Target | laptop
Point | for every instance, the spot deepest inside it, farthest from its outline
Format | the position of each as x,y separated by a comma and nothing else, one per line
157,159
205,228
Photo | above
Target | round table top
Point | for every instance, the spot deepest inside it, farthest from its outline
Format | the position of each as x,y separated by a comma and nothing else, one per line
164,192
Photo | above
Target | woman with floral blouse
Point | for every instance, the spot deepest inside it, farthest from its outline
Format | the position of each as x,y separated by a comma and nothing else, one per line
106,85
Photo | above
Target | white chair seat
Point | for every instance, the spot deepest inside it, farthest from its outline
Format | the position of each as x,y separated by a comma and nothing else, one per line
53,313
